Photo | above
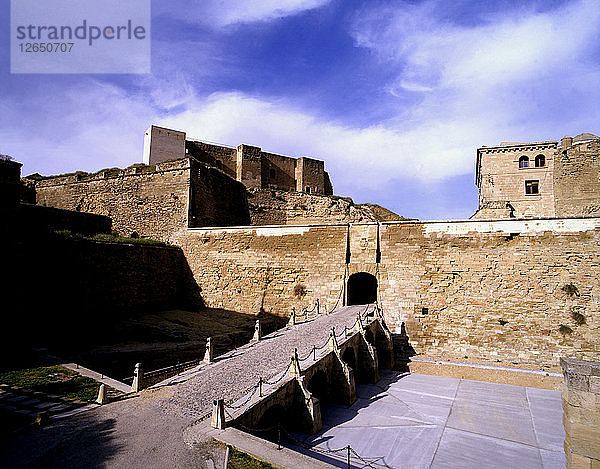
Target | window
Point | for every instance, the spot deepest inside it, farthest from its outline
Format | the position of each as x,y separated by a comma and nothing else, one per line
532,187
219,164
308,189
524,162
272,173
540,161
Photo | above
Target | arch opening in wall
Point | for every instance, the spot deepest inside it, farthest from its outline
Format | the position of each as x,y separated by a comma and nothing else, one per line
349,357
319,386
523,162
362,289
540,161
269,422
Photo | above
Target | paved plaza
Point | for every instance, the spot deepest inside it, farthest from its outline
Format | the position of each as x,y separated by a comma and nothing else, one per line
421,421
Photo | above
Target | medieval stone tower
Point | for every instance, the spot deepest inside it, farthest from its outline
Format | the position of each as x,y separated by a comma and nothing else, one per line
539,180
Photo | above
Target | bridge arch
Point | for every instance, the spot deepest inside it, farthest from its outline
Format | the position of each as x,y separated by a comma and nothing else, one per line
349,357
362,289
318,385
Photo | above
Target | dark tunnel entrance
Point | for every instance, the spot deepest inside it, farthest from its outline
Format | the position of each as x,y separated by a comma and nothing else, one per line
362,289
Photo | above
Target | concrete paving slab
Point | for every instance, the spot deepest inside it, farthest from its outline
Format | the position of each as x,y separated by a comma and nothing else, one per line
413,447
430,408
466,450
501,421
492,393
553,459
546,411
460,423
427,384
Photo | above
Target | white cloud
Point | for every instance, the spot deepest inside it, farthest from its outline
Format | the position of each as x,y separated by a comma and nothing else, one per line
223,13
88,127
361,157
523,76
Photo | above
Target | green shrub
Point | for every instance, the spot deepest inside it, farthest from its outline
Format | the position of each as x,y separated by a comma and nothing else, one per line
564,330
578,318
570,289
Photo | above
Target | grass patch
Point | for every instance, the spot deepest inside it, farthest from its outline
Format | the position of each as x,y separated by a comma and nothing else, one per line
570,289
578,318
240,460
564,330
107,238
56,380
502,322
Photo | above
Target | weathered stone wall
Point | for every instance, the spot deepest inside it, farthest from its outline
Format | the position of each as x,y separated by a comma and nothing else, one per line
216,199
577,180
581,416
500,179
35,219
260,169
278,171
59,287
494,290
249,269
217,156
490,290
152,201
276,207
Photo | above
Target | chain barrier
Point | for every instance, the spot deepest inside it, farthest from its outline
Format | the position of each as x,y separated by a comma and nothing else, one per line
239,406
283,374
348,449
341,291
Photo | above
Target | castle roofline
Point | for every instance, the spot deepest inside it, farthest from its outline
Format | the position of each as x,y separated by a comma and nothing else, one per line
517,145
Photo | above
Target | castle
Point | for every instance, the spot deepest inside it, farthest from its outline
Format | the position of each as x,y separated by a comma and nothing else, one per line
517,283
511,282
247,164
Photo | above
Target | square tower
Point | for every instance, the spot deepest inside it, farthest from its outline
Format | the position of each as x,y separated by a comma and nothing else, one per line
162,144
516,180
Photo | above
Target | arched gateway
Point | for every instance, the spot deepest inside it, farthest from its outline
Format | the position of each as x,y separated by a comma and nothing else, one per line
362,289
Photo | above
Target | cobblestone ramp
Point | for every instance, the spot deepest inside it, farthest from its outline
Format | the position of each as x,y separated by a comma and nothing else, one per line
237,372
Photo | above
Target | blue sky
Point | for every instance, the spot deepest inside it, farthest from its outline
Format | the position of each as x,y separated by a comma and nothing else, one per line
395,96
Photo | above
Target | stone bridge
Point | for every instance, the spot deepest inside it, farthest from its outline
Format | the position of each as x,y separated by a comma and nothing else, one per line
327,373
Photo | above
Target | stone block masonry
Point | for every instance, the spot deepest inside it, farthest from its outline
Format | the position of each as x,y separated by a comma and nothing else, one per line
150,201
513,290
581,413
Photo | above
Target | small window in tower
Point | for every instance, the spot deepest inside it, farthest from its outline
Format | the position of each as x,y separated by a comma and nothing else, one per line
524,162
540,161
219,164
532,187
272,173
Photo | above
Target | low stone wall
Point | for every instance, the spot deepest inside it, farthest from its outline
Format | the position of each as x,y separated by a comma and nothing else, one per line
581,418
277,207
38,219
66,290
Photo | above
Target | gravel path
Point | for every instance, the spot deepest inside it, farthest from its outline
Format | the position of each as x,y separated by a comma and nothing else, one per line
237,372
147,430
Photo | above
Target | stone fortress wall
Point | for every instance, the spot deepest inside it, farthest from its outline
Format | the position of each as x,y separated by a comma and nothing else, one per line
511,290
202,188
246,163
565,175
516,289
151,201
